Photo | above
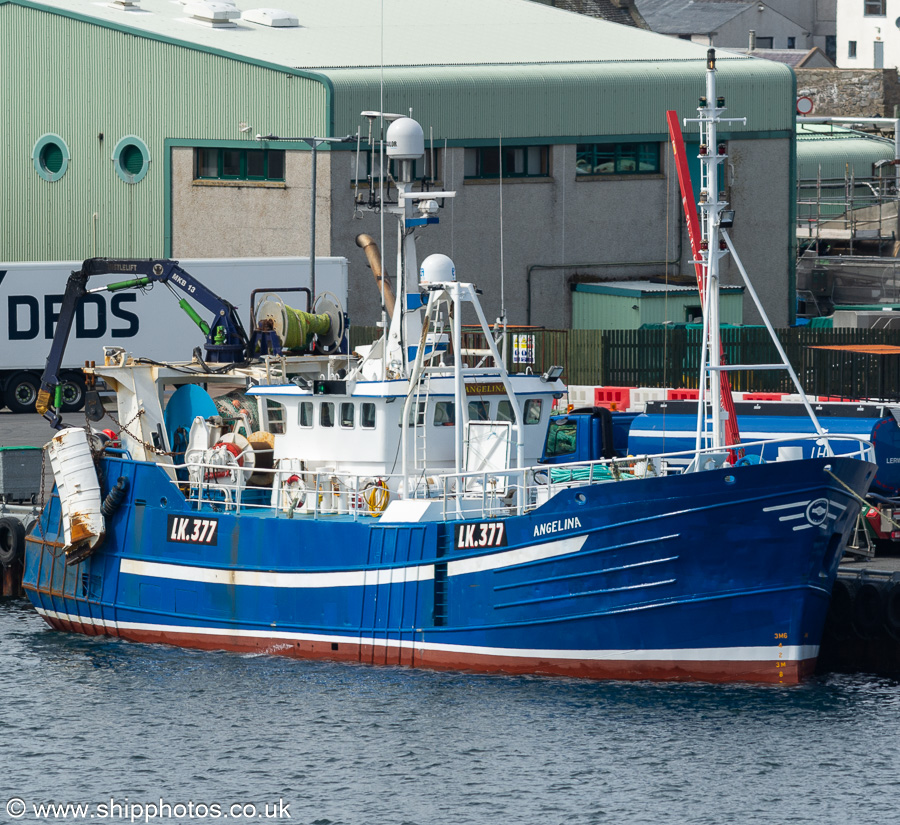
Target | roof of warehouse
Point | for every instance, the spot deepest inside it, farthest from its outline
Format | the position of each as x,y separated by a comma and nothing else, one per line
638,288
829,131
689,16
348,33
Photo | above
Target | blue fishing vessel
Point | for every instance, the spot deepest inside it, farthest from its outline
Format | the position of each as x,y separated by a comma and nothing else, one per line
387,506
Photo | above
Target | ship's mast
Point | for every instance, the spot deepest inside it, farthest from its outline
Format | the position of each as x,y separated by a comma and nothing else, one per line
712,250
715,244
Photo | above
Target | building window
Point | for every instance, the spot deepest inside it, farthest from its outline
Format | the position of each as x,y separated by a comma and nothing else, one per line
617,159
764,42
851,49
131,159
239,164
50,156
366,166
874,8
792,42
517,162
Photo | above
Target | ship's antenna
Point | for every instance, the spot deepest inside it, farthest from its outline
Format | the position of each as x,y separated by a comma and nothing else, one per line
502,281
384,323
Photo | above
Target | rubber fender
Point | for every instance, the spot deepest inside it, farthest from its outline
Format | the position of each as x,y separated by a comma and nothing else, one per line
892,611
12,540
114,497
838,622
868,610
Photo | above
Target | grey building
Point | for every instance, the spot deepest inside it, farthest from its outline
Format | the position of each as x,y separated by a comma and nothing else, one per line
138,139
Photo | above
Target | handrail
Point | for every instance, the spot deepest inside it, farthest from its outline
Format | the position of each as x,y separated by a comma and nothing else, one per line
290,491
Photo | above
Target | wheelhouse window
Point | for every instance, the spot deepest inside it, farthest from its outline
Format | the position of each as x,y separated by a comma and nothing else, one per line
488,162
276,415
874,8
444,414
416,417
533,410
326,414
238,164
347,415
617,159
505,412
478,411
367,416
306,414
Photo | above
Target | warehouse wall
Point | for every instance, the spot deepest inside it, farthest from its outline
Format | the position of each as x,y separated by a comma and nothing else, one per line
243,219
564,229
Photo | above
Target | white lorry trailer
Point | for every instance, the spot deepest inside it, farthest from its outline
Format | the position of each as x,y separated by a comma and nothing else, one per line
31,295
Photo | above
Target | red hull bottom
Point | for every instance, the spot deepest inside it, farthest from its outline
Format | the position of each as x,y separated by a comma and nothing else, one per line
766,671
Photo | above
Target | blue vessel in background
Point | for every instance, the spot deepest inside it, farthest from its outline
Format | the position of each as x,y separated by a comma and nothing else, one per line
387,505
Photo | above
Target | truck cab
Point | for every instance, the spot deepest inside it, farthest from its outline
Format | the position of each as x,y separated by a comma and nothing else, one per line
586,434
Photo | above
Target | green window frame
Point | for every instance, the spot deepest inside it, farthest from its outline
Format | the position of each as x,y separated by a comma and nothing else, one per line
484,162
50,156
131,159
617,159
221,163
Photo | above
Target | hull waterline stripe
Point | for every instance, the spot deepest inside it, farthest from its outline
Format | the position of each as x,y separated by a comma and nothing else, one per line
788,653
350,578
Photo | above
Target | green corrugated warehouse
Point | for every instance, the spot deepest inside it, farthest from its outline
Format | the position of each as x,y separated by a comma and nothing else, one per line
135,123
633,304
829,157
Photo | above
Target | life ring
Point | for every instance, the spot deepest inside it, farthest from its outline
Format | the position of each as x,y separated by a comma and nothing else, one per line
295,491
376,495
12,540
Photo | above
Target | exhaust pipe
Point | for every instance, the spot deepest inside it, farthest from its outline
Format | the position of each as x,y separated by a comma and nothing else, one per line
368,245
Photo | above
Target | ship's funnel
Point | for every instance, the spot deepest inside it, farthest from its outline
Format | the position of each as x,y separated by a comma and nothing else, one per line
368,245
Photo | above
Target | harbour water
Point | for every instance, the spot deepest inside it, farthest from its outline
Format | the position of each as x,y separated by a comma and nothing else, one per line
104,723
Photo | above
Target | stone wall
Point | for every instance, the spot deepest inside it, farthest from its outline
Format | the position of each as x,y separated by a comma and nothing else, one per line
850,92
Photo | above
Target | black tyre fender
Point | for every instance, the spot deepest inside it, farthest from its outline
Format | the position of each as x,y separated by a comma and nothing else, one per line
12,540
868,610
892,611
21,392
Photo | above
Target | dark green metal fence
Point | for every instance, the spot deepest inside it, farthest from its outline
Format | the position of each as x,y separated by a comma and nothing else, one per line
669,358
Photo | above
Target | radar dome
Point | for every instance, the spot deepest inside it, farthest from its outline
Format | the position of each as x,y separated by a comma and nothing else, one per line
437,269
405,140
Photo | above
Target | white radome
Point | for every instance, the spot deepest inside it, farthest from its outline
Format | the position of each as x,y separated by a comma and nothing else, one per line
405,140
437,268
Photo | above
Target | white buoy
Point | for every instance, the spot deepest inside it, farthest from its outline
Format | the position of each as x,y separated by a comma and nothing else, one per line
78,487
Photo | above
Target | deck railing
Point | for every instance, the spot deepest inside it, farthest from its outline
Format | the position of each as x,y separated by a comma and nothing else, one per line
292,492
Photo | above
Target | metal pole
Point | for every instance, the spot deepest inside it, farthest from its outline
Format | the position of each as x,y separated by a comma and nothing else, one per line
312,225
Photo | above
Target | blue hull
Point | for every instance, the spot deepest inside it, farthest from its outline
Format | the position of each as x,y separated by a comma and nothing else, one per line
720,575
